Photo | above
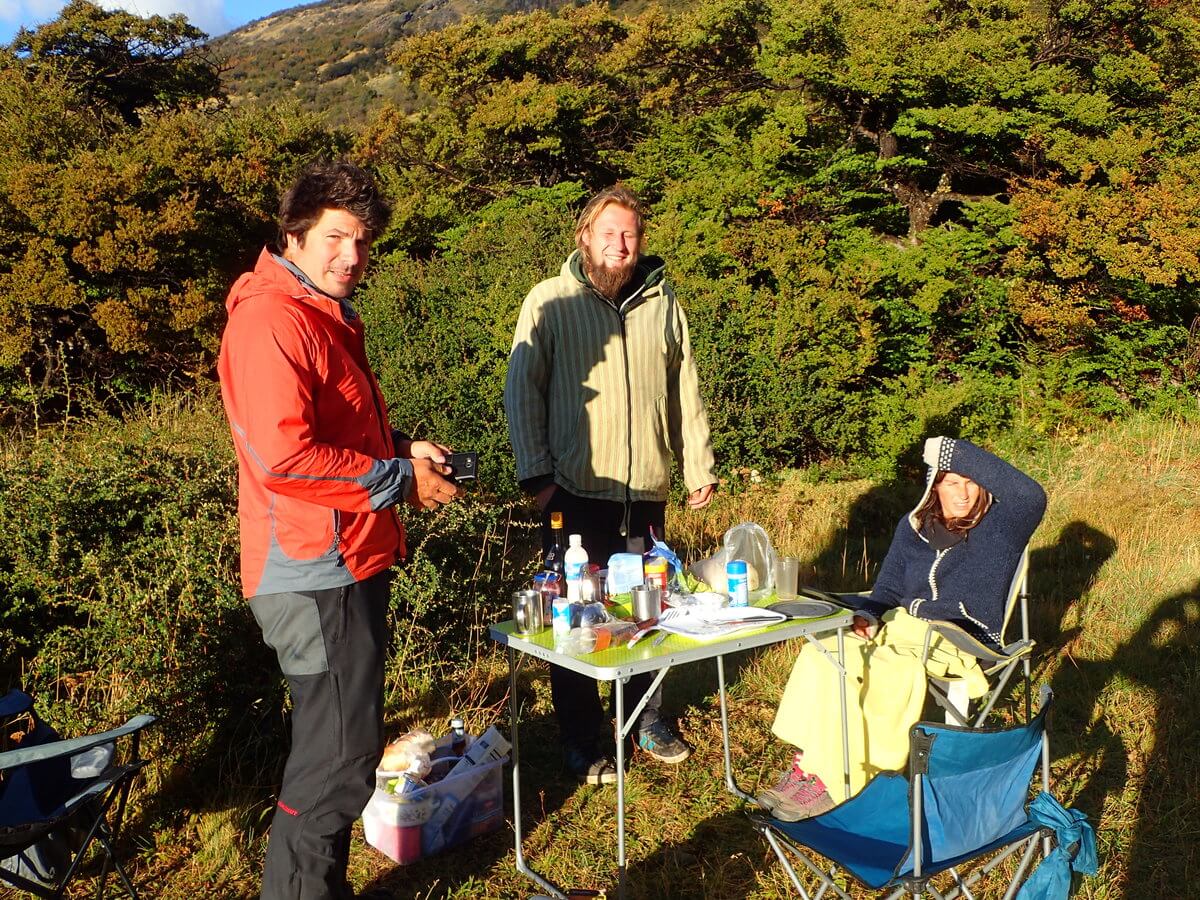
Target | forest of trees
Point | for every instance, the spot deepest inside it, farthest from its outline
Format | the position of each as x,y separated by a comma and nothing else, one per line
874,213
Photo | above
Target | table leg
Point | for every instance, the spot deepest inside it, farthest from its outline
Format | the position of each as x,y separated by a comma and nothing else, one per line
731,784
619,733
514,712
841,643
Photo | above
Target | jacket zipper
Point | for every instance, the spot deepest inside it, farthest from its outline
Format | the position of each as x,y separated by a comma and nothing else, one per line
933,591
620,311
342,615
915,605
628,428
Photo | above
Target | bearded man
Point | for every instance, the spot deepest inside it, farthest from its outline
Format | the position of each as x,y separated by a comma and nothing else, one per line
601,395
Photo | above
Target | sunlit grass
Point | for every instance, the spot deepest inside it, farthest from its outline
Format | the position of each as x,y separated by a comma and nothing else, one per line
1114,581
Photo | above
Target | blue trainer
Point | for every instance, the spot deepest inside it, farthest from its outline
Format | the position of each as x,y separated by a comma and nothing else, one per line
662,743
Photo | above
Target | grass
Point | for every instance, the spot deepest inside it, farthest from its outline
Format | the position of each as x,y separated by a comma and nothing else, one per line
1116,581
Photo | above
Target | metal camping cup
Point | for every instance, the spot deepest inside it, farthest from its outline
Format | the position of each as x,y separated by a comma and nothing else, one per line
647,602
527,612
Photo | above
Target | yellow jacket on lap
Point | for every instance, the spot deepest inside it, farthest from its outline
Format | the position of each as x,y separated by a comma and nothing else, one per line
885,693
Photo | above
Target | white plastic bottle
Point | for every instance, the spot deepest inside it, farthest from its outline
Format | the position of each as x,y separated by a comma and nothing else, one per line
575,563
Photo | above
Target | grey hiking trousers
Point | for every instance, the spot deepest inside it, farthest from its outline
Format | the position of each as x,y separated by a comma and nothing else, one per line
331,646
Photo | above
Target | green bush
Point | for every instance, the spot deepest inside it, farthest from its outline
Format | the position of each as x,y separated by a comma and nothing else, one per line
120,576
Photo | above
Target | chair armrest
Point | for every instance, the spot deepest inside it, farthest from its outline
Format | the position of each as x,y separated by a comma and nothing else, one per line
21,757
967,643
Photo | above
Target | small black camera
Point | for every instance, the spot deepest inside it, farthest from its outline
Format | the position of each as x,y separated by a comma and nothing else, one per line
462,465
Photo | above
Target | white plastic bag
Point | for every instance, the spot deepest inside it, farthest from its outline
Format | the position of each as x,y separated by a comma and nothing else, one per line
748,541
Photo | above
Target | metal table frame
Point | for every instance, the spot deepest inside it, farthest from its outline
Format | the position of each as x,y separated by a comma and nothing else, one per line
618,664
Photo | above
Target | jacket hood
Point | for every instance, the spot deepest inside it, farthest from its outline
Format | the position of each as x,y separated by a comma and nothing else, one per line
930,474
648,273
273,274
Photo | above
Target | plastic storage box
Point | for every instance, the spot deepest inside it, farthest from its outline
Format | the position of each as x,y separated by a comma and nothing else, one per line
425,821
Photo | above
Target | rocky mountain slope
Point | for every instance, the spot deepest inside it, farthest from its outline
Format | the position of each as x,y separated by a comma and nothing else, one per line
332,56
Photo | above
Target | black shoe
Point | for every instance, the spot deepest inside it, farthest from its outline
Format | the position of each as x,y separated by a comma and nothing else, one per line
590,764
662,743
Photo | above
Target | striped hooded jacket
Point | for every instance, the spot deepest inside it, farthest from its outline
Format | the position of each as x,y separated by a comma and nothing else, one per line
602,396
317,473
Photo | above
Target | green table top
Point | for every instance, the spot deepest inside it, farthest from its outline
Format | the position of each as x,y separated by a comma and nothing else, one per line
620,661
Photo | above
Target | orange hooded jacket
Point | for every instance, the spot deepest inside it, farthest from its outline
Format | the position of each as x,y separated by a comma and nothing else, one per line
317,468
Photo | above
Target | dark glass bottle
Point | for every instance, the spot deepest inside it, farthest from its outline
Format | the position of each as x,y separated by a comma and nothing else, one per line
554,556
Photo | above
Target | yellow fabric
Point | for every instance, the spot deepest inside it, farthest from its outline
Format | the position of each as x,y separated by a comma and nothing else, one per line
885,693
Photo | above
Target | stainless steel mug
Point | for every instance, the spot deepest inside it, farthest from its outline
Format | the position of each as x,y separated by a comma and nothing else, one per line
527,612
647,602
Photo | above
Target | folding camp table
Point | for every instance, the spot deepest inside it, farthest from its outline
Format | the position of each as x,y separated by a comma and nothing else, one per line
619,663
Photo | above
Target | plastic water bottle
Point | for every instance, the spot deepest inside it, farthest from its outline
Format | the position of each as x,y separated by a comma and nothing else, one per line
575,563
577,642
738,576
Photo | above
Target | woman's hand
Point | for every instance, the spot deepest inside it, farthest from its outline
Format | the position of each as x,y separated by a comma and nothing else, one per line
864,628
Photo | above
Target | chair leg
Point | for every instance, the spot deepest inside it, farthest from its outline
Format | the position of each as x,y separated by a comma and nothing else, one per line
99,831
32,887
960,884
111,856
783,849
1030,849
939,690
787,866
114,833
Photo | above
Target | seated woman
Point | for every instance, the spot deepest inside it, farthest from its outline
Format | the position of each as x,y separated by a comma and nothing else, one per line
951,559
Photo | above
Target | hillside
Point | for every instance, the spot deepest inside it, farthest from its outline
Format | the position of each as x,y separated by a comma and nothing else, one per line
332,56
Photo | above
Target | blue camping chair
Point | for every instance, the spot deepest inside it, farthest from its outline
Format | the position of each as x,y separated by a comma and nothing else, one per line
965,795
43,806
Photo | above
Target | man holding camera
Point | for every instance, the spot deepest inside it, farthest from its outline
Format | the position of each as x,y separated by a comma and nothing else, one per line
319,475
601,395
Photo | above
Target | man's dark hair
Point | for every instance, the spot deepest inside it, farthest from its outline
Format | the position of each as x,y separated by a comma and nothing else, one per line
331,185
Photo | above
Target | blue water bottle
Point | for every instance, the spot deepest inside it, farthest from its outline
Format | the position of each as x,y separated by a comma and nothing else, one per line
738,577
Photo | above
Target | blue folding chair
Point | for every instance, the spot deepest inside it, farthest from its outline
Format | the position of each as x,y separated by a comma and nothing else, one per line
965,795
42,802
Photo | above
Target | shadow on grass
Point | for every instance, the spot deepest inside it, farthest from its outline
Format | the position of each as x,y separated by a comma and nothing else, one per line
722,858
1154,748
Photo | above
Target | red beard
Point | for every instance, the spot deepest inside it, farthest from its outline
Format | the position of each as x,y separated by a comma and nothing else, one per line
609,281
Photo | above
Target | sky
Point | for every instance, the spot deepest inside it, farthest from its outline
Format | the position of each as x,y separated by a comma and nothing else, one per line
213,16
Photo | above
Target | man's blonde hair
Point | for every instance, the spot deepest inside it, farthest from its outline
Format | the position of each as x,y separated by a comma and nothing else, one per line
618,194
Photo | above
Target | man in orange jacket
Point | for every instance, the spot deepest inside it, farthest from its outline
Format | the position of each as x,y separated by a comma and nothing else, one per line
319,474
